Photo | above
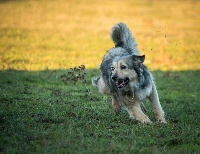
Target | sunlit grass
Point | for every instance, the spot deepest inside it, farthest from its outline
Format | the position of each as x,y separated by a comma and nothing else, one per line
38,35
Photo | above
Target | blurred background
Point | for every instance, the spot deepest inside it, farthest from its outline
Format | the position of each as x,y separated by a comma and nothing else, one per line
59,34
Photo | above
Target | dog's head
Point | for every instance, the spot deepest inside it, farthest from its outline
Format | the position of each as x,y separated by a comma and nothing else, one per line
125,70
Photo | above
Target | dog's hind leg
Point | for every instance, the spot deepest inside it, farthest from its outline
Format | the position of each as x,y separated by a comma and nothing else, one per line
158,111
99,83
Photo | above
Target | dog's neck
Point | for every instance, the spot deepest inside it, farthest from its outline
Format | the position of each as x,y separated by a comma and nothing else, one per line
128,93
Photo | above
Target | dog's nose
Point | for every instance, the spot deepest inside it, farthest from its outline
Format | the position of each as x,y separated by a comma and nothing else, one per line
114,77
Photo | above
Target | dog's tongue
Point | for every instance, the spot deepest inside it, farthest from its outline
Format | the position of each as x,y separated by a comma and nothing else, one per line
120,84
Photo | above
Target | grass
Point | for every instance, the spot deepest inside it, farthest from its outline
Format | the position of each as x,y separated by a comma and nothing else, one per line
42,112
46,107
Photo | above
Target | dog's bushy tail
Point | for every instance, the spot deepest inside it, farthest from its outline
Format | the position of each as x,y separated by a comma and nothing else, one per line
122,37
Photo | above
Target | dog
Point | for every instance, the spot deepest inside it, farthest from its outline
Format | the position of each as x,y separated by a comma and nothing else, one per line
125,78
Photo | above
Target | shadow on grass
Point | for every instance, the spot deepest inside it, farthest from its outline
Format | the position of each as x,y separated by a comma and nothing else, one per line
50,111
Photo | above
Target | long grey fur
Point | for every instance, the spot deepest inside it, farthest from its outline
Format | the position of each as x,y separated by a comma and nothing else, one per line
122,37
138,90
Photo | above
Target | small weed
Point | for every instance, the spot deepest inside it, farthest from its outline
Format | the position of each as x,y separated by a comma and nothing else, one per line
74,75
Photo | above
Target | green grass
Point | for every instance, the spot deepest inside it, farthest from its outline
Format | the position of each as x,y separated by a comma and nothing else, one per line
42,111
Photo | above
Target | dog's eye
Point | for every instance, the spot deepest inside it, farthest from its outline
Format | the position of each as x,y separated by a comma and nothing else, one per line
123,67
112,68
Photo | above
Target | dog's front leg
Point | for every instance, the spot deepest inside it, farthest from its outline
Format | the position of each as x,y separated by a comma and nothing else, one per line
99,83
136,113
116,105
158,111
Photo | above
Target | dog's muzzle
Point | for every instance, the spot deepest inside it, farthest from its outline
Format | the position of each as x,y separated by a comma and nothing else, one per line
120,83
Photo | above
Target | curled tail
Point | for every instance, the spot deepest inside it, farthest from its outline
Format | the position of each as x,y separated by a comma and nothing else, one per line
122,37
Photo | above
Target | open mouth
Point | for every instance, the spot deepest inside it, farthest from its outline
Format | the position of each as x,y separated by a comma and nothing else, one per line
120,83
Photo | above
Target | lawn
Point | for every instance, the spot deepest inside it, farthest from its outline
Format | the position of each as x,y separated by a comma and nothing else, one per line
44,109
44,112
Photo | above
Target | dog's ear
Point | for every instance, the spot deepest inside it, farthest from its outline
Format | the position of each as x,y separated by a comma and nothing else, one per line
138,59
141,58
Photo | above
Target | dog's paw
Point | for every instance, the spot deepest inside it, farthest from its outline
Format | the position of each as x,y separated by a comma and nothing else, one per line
146,121
117,111
160,118
163,121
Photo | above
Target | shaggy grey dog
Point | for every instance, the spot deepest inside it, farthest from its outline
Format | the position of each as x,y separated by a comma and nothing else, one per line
126,79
